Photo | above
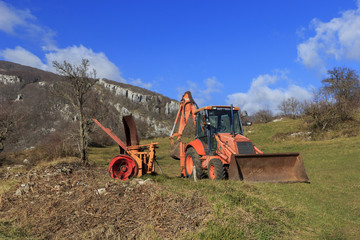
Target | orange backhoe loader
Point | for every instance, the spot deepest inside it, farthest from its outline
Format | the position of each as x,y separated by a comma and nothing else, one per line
221,148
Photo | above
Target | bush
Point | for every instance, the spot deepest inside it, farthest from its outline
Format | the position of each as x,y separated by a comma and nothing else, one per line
290,107
336,101
264,116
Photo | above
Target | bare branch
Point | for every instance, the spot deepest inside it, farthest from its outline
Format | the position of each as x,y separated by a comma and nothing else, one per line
80,81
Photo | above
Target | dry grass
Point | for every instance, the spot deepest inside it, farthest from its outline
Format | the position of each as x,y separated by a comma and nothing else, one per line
63,202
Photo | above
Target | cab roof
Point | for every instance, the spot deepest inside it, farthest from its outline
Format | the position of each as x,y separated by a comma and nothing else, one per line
216,107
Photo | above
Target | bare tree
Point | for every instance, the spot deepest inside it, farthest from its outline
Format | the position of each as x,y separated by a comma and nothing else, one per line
264,116
343,88
79,80
7,121
322,112
5,124
290,107
336,101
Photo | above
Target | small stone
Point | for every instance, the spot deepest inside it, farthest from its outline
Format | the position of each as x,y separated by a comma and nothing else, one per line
26,187
146,182
101,191
78,183
17,166
129,189
134,181
18,192
141,182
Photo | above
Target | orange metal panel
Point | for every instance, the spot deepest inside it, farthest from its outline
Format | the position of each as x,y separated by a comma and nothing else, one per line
112,135
198,146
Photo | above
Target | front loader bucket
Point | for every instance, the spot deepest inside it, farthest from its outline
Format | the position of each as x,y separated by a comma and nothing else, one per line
276,167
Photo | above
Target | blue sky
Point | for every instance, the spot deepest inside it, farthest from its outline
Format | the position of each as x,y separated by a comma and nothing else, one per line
253,54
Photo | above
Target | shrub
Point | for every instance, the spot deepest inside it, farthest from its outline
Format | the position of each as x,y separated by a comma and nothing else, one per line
264,116
336,101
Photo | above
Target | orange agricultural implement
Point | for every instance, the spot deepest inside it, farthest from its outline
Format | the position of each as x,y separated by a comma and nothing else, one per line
221,151
134,159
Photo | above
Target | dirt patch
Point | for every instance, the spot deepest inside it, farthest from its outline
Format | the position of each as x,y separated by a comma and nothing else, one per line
67,201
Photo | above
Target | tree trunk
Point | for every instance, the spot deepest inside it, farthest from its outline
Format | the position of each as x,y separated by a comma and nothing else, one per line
83,137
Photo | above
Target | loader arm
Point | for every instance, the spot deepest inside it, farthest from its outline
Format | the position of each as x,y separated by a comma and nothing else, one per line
187,108
223,149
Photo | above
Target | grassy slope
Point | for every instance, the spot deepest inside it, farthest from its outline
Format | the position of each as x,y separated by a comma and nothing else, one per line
239,211
328,208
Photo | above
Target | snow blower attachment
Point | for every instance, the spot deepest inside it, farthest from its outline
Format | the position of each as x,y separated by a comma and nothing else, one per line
134,160
221,150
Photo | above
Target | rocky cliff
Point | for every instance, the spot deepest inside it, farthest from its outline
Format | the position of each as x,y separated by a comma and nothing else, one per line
28,95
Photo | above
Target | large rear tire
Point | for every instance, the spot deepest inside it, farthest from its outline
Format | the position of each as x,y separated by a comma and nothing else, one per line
216,169
192,159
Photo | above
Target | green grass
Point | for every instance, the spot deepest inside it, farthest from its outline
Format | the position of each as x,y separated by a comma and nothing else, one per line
328,208
8,231
330,205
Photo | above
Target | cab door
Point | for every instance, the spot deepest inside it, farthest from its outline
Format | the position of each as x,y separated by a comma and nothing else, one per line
205,129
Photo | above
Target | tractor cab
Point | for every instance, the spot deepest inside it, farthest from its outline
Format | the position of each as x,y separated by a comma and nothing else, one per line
216,119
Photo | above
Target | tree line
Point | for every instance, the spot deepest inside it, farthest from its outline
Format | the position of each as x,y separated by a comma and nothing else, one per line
336,101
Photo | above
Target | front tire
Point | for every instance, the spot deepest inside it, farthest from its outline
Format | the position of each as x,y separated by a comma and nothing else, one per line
192,158
216,169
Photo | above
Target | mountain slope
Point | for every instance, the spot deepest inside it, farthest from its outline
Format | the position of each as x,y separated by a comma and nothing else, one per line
28,97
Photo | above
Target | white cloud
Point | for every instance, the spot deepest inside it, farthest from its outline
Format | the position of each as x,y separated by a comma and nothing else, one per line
261,96
337,39
212,86
22,22
11,18
103,66
22,56
202,95
98,61
138,82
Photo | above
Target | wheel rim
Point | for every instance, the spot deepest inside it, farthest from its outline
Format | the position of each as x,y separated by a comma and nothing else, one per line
189,165
212,174
122,167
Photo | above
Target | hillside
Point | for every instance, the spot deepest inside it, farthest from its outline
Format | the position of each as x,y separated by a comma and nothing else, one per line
327,208
27,95
167,206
